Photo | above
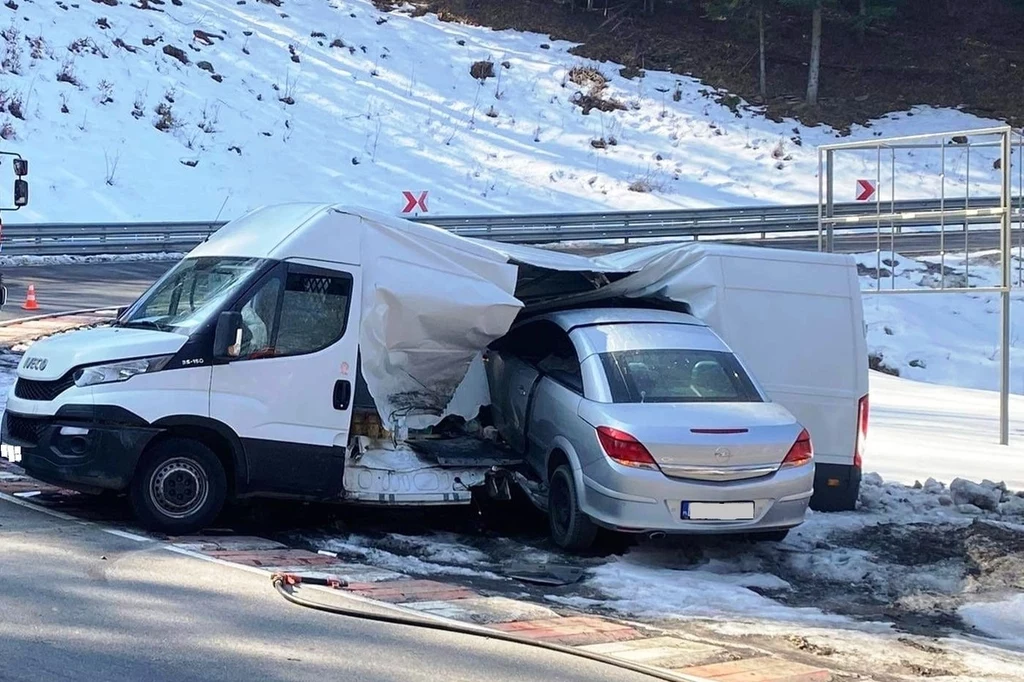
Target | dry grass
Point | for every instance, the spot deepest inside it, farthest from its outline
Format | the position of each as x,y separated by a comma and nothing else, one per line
588,77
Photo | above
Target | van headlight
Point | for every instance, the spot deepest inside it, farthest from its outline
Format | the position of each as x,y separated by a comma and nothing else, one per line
119,371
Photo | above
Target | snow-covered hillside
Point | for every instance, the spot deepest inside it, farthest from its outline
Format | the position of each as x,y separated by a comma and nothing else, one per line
189,109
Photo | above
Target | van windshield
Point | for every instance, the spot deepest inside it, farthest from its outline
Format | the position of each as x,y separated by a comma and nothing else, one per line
190,292
677,376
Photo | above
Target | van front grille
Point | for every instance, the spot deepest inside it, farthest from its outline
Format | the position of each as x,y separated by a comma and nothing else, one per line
29,389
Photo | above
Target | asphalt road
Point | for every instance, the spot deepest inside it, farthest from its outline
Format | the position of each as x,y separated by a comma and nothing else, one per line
78,603
60,288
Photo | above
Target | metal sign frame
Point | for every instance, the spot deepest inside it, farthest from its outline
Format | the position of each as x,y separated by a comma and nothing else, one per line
962,215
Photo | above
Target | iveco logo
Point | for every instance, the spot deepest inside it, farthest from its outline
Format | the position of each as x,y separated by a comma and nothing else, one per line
722,455
38,364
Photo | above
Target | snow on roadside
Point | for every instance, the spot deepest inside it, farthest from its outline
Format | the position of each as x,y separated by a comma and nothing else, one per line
1002,620
439,555
29,261
921,430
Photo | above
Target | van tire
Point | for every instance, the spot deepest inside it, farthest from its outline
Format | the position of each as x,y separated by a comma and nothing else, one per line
571,529
179,487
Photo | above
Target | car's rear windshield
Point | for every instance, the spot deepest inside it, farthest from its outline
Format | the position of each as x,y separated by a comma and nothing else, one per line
677,376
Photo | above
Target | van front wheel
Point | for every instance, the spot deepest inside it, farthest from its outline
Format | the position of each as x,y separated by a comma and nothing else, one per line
179,488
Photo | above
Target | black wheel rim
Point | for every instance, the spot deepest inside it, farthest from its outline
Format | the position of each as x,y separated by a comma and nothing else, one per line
560,500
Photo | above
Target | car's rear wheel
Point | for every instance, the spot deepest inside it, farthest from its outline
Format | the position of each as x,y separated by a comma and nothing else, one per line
571,529
179,488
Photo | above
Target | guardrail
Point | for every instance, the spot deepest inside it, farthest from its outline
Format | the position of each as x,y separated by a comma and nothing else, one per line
753,223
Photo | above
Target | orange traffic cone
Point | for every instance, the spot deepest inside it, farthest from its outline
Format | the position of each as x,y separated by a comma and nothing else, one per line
30,299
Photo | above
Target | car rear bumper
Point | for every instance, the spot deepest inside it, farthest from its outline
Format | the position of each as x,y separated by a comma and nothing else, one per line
649,501
88,448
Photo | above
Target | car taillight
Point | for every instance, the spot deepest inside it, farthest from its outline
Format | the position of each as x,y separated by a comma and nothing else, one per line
624,448
862,432
802,451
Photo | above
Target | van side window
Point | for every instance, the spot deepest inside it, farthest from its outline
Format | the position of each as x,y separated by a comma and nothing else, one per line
302,311
259,318
314,311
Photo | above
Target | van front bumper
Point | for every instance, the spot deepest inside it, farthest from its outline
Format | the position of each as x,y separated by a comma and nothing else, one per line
83,447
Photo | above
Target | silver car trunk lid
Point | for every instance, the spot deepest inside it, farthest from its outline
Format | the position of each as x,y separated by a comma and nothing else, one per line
704,441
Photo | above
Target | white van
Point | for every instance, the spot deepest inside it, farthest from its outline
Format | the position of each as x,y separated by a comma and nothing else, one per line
300,351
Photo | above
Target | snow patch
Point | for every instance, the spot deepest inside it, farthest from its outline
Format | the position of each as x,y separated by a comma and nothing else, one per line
20,261
1002,620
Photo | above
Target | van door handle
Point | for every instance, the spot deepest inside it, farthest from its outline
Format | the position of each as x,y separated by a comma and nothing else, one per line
342,394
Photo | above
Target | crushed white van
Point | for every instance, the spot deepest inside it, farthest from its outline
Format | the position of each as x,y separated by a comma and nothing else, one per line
312,352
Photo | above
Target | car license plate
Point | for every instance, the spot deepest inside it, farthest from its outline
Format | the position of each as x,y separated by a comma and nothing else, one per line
718,511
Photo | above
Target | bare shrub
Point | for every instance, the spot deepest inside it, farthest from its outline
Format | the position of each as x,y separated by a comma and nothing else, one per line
86,46
16,107
7,131
11,60
165,121
482,70
646,183
139,106
67,73
106,89
38,49
111,164
589,101
593,84
208,124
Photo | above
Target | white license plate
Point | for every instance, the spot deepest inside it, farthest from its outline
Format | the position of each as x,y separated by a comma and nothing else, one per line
718,511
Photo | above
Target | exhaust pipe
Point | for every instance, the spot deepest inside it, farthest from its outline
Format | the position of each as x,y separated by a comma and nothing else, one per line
656,535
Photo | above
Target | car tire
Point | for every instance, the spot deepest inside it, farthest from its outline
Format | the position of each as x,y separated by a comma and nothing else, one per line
179,487
770,535
571,529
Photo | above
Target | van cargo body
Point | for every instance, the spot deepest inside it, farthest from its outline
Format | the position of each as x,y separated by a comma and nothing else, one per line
306,350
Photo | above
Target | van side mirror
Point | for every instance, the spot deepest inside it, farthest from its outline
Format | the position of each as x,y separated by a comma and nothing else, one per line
3,295
227,340
20,193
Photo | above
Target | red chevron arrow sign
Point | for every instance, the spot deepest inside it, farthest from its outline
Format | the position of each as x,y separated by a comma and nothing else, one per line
865,190
414,202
